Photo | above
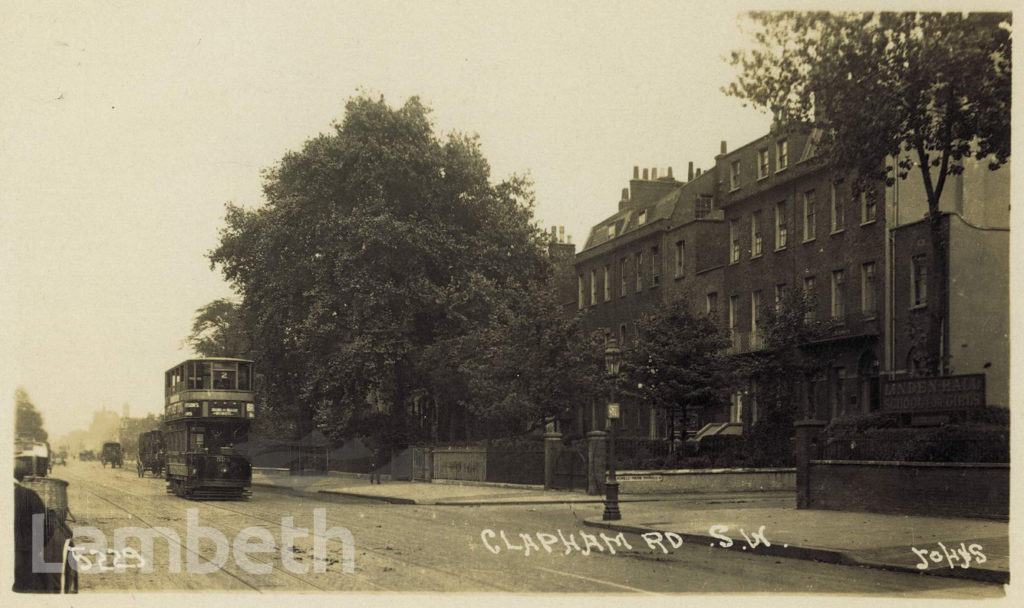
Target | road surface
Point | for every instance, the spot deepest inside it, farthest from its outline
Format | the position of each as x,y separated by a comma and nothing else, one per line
401,548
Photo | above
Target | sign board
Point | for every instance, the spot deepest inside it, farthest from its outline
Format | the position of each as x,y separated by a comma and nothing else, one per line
938,394
613,411
640,477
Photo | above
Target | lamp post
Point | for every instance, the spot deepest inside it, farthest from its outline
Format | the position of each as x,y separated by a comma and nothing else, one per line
612,359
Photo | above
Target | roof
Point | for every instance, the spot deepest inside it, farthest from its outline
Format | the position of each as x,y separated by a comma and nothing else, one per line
627,220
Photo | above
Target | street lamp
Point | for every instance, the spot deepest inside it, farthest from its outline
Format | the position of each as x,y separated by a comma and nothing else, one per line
612,359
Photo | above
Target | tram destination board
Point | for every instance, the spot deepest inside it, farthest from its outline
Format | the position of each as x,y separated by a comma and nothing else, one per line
941,394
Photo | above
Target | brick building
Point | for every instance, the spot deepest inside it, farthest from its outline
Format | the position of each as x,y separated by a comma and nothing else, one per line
769,217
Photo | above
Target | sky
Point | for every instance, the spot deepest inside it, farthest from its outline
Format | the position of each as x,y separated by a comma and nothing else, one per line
127,126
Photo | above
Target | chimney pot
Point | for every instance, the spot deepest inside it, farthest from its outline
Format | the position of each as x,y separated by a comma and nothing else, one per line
625,194
670,173
645,173
689,172
561,234
569,239
654,173
724,147
698,171
636,172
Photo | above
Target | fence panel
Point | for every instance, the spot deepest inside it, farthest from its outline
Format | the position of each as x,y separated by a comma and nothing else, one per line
460,463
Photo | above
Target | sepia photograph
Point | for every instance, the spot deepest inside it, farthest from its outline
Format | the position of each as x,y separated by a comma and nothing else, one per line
407,303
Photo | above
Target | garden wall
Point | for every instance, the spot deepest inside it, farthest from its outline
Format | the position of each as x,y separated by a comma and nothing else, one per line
912,488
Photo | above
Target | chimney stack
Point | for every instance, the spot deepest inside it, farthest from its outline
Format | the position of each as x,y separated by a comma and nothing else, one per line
689,172
636,172
645,174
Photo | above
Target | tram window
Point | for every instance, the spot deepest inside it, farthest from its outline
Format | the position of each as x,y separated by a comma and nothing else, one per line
224,376
199,375
243,376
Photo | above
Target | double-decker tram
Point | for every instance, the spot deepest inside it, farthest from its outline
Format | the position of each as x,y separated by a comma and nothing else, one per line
208,406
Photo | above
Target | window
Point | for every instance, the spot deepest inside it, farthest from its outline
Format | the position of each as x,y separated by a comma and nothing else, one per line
639,271
611,231
711,303
919,281
641,218
593,287
755,234
781,233
837,208
655,267
225,376
622,334
809,203
734,302
703,206
809,296
680,258
623,263
734,175
579,287
762,163
781,154
868,208
780,295
838,293
734,240
607,282
868,299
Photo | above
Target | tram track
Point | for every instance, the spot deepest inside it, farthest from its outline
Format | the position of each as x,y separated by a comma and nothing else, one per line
136,515
382,553
278,512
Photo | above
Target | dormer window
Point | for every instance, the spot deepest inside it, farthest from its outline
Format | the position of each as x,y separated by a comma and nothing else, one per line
641,218
611,231
734,175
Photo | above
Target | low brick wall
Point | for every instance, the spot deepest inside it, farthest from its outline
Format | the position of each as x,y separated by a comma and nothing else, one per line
911,488
706,480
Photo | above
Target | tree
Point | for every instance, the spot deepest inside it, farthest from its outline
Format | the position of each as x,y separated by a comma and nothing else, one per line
679,361
526,364
796,352
377,242
218,331
28,422
890,93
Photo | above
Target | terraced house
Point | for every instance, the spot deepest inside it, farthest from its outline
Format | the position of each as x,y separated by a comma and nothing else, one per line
768,217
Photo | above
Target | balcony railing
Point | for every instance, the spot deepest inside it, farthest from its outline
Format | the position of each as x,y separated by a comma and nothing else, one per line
847,326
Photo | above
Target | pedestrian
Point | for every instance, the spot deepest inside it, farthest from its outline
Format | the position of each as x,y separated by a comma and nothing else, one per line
376,464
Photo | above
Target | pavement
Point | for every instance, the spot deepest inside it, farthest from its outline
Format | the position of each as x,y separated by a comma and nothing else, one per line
765,523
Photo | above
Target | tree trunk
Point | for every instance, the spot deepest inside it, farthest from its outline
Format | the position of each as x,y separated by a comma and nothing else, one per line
937,300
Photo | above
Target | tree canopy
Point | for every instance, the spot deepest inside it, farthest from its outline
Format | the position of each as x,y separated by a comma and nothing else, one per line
891,94
679,360
379,244
28,422
217,331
